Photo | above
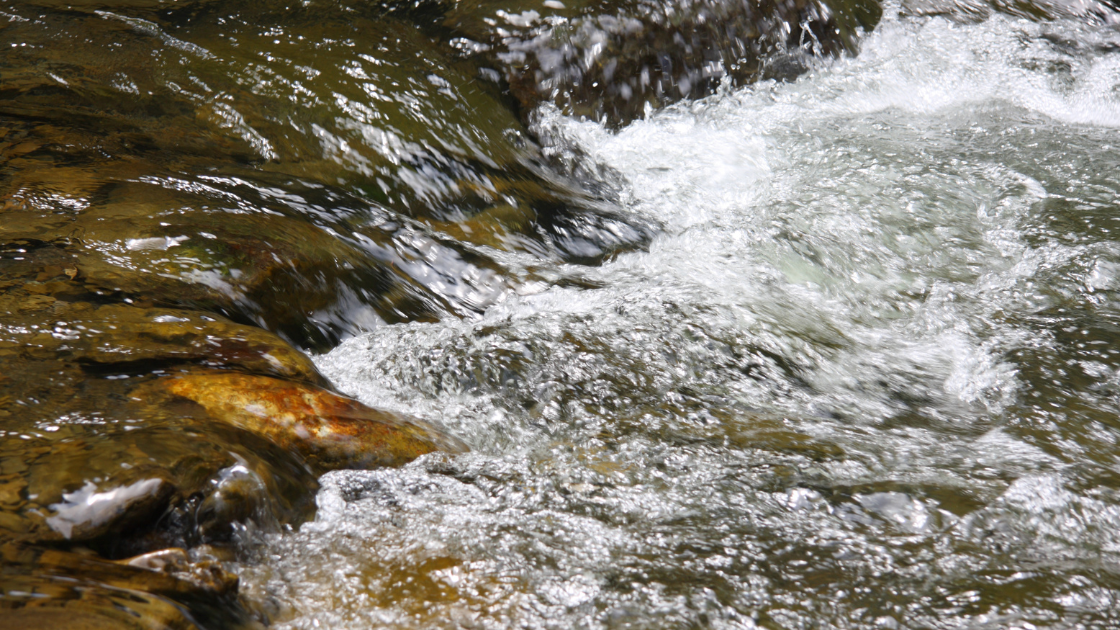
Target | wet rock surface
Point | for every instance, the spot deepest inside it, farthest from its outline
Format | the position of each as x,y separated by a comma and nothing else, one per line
330,430
615,61
165,589
177,171
172,230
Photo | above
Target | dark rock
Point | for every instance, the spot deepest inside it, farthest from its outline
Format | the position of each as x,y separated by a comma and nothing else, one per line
48,588
612,61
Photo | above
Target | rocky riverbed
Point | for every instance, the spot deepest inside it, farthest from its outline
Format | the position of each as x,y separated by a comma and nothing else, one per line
197,196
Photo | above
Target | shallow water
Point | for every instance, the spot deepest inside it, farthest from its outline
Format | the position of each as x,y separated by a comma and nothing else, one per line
839,352
866,377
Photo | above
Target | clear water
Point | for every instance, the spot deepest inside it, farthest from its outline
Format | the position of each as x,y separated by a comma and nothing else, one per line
866,377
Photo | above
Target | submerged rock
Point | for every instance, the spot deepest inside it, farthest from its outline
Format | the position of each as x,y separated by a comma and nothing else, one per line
189,576
44,604
167,572
144,468
116,486
351,98
48,325
327,429
90,453
248,267
119,339
48,588
87,459
185,197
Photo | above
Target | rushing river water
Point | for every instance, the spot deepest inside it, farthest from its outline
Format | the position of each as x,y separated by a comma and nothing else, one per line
865,377
836,352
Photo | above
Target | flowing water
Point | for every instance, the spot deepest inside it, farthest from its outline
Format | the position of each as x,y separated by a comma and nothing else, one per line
866,373
865,377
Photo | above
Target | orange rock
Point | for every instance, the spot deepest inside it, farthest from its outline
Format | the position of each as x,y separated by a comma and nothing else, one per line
330,431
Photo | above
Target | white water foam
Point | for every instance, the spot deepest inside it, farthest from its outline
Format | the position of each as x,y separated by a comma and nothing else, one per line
789,407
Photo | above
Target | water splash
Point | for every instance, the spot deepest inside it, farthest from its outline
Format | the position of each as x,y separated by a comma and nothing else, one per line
862,380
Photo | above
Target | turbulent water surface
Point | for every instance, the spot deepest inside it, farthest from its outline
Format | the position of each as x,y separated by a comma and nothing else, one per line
864,377
839,350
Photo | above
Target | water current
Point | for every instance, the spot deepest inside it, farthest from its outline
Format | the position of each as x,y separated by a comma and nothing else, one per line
839,350
866,375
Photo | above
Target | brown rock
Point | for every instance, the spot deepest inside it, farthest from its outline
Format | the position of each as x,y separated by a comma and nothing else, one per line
51,589
11,487
205,576
131,339
99,616
329,430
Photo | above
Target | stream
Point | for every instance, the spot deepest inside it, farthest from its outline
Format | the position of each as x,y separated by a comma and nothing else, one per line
864,378
848,359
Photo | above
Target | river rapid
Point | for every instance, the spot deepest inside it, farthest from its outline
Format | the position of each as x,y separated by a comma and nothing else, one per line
865,376
678,314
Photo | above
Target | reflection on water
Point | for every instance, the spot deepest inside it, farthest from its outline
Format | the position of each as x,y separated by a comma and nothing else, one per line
833,352
864,379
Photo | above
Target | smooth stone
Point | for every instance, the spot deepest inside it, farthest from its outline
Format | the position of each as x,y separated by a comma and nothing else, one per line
330,431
